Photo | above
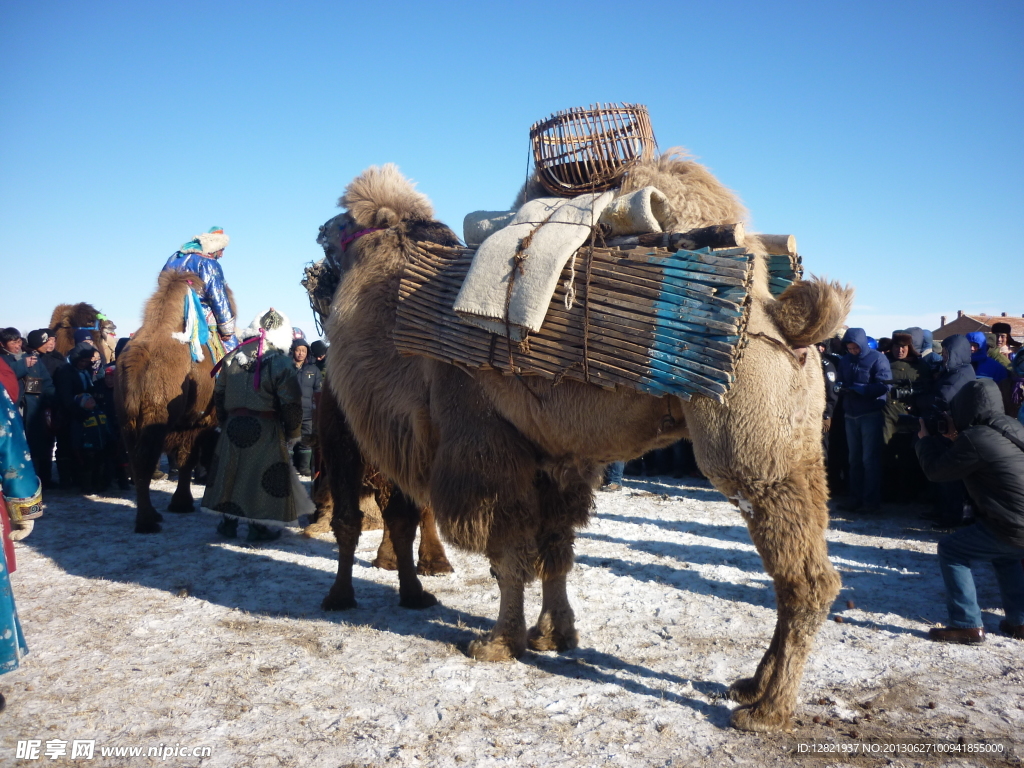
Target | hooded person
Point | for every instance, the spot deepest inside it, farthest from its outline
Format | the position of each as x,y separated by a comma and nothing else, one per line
865,377
987,454
201,255
259,405
984,366
922,343
956,370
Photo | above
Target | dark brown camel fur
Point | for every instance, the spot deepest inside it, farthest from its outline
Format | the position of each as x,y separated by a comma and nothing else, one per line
509,464
343,482
65,318
164,399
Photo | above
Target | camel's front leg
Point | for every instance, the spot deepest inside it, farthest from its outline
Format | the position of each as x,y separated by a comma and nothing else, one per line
787,523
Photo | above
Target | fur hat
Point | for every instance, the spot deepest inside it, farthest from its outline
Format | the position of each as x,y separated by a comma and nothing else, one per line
36,339
904,339
277,331
318,348
998,328
209,242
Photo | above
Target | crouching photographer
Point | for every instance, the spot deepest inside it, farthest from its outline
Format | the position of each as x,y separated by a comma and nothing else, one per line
987,453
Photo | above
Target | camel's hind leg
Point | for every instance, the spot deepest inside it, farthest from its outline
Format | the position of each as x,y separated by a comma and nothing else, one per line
144,454
787,522
186,447
432,559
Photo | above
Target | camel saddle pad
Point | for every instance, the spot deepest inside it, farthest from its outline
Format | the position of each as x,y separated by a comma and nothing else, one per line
658,321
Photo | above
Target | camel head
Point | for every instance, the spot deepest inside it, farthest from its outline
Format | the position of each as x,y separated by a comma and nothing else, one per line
380,198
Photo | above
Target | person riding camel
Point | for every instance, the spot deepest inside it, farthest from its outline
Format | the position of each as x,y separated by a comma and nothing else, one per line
200,255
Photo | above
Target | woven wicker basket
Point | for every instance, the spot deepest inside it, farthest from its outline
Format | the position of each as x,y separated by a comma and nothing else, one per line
587,150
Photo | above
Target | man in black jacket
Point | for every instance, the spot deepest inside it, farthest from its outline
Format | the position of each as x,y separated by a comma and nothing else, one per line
987,453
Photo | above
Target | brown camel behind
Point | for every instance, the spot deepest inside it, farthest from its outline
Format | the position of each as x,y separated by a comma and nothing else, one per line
164,399
509,464
345,480
66,318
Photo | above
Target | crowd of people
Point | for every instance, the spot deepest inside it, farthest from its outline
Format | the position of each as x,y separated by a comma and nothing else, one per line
944,424
906,419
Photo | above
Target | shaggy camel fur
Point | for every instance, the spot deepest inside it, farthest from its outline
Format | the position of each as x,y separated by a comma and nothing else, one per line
164,399
65,318
344,480
509,464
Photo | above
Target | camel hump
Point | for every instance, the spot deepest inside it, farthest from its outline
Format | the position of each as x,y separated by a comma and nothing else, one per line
811,310
170,278
382,197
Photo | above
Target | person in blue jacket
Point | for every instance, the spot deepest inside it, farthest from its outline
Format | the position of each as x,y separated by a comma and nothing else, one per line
865,379
984,366
200,255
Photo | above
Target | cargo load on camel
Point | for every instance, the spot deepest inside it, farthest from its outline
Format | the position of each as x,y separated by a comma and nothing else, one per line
600,287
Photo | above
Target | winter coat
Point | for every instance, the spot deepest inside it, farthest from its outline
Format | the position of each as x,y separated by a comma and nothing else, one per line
988,455
214,291
984,366
864,376
922,340
310,380
957,371
831,374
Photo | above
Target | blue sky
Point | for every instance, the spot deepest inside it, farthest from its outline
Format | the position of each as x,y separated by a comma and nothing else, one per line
885,136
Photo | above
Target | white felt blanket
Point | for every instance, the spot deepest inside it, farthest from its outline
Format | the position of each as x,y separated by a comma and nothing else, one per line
559,227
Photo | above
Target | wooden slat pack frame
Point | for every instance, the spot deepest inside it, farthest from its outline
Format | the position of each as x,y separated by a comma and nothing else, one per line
659,321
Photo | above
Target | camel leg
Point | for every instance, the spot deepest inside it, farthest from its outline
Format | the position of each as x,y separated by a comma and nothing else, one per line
387,558
787,523
562,509
186,454
400,519
433,561
507,641
344,478
144,452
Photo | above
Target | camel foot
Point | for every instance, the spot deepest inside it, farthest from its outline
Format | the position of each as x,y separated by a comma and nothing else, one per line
181,507
745,691
422,599
434,567
494,649
313,530
551,640
157,516
148,525
385,563
335,602
754,718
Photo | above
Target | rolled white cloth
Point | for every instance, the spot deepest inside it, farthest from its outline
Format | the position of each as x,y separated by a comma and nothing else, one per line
558,226
636,213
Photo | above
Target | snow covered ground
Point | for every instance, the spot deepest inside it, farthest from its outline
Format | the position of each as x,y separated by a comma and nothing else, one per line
183,640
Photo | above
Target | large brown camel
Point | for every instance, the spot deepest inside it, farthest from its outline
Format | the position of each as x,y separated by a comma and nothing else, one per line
509,463
164,399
